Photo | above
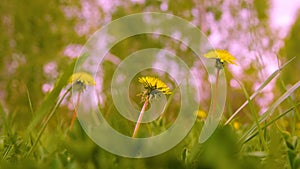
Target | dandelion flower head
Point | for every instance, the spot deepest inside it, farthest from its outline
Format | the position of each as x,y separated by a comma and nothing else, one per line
222,55
80,80
236,125
201,114
152,85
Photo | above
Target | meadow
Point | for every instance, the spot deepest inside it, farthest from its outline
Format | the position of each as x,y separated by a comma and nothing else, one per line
41,48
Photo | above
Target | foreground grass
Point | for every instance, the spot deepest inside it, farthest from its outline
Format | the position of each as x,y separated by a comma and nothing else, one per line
268,141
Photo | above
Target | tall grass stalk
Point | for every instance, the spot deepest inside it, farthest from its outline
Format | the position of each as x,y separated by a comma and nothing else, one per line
256,117
46,122
266,82
271,122
270,110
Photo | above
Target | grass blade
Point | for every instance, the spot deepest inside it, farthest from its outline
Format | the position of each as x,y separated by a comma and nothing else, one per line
266,82
270,110
3,117
29,101
52,98
46,122
256,117
292,103
271,122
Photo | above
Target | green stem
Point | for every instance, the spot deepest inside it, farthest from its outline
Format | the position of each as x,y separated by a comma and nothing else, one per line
46,122
137,125
75,111
215,94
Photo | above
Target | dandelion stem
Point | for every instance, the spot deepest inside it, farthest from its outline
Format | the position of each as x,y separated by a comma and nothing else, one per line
215,94
46,122
75,111
137,125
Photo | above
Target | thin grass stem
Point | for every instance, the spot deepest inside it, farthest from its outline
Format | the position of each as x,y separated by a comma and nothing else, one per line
46,122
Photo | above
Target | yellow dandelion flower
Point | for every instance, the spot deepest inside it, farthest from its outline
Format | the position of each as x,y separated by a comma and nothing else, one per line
298,125
221,56
79,80
298,129
154,86
284,123
201,114
236,125
83,77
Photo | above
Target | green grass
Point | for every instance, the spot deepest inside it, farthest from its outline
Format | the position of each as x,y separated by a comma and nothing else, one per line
261,142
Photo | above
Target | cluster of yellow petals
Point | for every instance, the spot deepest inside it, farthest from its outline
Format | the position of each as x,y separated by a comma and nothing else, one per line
152,83
80,80
82,77
223,55
201,114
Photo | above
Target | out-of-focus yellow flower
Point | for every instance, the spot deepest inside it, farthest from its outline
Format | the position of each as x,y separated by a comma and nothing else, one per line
298,129
82,77
221,56
201,114
297,132
298,125
283,123
79,80
236,125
